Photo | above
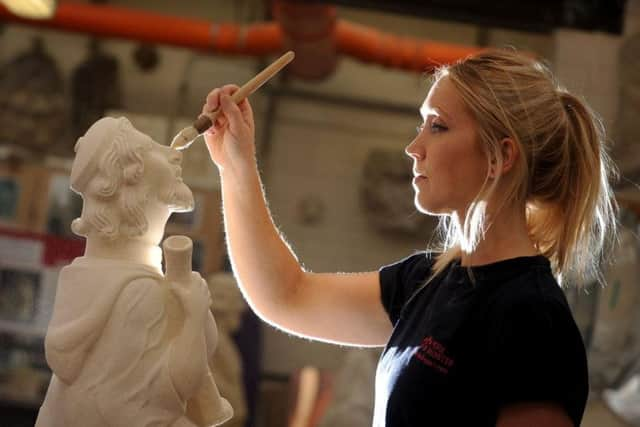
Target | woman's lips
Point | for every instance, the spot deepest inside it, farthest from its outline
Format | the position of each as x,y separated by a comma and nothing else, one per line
419,178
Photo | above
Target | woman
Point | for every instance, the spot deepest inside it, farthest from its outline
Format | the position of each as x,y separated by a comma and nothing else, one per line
479,332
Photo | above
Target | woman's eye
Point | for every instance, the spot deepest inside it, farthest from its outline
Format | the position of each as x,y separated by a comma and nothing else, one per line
435,127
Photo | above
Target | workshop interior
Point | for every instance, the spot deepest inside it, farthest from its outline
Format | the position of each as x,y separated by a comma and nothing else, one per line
331,128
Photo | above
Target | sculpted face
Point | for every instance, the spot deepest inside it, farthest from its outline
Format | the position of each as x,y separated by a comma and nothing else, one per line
163,173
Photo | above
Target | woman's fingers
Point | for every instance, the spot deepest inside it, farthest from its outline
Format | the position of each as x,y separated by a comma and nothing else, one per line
242,112
243,105
213,101
232,113
247,112
230,89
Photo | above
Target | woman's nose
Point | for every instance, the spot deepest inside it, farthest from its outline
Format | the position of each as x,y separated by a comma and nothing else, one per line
412,150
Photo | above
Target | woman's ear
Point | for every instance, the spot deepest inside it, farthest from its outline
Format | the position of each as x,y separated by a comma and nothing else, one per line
510,153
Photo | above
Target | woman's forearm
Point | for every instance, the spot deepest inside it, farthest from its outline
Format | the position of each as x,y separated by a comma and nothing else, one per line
266,268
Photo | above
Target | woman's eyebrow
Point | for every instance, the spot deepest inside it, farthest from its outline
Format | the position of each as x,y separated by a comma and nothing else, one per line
434,111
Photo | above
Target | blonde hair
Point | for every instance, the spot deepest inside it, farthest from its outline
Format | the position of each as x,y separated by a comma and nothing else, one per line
563,176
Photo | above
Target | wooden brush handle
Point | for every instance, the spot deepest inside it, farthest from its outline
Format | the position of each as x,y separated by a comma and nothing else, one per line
204,122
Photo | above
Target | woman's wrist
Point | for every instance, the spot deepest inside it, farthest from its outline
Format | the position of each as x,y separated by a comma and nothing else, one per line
241,172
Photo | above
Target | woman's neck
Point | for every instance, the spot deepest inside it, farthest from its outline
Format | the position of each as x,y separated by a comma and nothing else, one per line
506,236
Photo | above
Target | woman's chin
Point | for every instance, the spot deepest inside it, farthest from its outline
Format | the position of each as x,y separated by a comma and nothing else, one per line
430,208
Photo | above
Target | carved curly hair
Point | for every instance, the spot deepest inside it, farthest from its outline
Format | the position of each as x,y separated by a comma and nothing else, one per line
112,205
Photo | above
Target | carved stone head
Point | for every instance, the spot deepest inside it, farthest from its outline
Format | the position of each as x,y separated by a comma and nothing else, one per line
125,179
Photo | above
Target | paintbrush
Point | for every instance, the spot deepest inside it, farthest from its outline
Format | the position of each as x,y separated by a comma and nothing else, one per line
187,135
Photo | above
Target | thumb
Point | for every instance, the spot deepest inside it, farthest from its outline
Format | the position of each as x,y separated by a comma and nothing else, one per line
233,114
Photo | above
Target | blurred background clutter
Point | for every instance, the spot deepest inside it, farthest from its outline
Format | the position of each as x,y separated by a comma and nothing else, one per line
331,130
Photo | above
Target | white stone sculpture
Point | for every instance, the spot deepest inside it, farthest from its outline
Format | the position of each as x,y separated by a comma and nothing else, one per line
127,345
228,307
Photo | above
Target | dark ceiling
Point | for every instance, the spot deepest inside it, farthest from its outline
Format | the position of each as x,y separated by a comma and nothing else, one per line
523,15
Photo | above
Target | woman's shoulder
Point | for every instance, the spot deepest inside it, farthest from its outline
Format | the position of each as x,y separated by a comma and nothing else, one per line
534,344
532,311
401,279
421,256
535,295
416,266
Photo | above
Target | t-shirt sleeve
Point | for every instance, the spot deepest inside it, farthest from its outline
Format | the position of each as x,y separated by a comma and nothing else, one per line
400,280
537,355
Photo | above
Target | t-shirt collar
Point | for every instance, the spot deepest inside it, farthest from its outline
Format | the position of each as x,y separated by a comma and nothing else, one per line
499,270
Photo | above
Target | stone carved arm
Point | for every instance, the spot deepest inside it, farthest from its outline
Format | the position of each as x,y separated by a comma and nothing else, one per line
188,364
66,348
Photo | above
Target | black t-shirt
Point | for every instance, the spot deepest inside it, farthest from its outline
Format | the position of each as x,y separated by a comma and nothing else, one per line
460,350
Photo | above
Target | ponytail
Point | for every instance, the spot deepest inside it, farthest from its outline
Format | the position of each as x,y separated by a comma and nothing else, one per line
571,213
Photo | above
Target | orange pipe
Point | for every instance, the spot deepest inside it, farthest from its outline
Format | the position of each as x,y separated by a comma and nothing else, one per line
371,45
126,23
355,40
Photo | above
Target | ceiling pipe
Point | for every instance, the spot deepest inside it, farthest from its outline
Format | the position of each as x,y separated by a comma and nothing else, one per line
358,41
310,31
370,45
126,23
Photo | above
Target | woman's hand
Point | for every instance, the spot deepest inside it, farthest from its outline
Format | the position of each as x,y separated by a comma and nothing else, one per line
231,139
